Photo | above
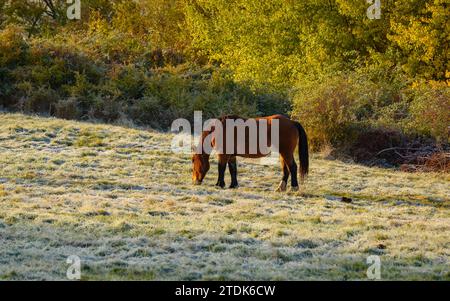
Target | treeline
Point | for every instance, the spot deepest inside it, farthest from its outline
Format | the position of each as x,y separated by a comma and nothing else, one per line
324,62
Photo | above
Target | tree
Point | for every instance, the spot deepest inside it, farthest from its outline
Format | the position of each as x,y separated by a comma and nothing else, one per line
276,42
2,12
420,30
34,15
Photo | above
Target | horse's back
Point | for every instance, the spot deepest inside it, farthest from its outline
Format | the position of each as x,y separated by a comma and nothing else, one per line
278,116
235,117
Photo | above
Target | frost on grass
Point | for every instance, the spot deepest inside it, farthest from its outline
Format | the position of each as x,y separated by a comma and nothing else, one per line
118,199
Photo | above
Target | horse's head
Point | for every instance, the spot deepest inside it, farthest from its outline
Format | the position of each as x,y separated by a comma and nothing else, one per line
200,164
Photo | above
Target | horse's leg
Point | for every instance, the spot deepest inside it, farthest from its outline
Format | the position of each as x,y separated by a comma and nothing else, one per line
293,170
232,166
223,160
290,162
283,184
294,181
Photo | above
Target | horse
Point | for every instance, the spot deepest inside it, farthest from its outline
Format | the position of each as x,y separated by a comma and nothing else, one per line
290,134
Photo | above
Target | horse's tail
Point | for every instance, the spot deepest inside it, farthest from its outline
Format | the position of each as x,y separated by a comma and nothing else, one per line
303,153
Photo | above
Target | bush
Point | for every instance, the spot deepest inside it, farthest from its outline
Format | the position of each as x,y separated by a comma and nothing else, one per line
113,73
58,65
7,97
360,114
150,111
173,93
68,109
13,48
329,111
129,80
337,109
42,100
430,111
73,85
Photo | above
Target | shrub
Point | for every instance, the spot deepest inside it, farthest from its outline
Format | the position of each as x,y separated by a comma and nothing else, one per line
150,111
108,109
129,80
42,100
361,115
337,109
430,111
7,97
68,108
57,64
13,48
329,111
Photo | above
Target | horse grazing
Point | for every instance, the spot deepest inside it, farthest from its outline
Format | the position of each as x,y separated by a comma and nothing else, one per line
289,132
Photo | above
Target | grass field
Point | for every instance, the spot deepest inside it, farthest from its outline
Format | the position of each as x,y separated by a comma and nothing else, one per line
121,201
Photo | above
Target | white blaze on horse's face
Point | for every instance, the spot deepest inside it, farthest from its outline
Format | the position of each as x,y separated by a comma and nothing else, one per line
201,166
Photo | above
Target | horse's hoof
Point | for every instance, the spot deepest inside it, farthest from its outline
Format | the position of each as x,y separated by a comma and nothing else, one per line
282,187
234,186
221,185
294,189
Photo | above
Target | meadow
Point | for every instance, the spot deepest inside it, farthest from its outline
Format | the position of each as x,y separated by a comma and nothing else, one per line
118,198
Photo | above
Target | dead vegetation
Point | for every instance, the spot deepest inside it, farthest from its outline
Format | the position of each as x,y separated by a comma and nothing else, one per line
389,148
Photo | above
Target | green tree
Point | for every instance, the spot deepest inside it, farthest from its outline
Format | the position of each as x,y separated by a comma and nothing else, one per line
420,30
34,15
280,41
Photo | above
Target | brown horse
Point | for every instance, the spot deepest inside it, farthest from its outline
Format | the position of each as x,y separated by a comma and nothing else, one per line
290,134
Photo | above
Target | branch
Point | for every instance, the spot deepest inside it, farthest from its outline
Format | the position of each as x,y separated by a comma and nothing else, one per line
397,148
51,10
